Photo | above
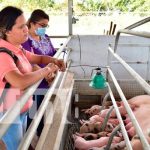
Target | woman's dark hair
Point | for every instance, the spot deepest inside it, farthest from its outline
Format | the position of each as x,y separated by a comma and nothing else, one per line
36,16
8,16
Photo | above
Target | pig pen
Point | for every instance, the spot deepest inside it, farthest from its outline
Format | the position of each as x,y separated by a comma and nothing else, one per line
82,100
84,97
89,52
81,97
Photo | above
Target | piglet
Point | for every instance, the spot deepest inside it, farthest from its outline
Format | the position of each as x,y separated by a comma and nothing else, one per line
131,132
94,110
136,144
117,146
129,125
81,143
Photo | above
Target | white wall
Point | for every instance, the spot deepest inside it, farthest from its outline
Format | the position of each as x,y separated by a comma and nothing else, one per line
94,52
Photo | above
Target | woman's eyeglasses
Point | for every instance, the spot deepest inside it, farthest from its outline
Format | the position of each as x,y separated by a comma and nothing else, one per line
43,25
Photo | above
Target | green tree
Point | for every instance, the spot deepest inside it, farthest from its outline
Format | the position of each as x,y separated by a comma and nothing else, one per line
89,5
29,4
122,5
141,5
82,5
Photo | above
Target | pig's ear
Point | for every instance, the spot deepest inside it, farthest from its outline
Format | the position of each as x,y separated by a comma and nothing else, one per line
133,106
83,110
79,134
82,121
74,137
119,103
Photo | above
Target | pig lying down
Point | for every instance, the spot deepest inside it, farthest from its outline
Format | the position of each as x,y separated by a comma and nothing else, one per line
91,135
83,144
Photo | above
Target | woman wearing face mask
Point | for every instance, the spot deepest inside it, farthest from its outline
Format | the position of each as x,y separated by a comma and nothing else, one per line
39,43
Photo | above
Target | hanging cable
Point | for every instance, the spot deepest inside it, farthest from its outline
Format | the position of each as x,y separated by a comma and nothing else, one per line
112,136
106,119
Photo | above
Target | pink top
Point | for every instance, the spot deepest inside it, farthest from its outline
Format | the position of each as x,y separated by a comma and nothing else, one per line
7,64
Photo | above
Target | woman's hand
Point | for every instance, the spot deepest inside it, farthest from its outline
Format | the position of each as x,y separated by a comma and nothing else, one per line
61,64
53,68
50,77
2,145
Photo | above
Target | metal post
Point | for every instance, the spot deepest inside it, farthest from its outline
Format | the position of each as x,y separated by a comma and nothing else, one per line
70,14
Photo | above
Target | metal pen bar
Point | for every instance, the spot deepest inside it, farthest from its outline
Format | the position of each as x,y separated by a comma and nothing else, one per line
135,75
62,48
116,41
137,33
126,31
70,15
67,69
63,120
10,116
32,129
141,22
125,135
130,113
15,110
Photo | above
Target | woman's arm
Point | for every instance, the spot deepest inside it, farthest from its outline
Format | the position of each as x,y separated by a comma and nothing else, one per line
43,59
49,78
22,81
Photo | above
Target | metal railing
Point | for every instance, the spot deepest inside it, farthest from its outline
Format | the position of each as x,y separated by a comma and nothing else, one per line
128,144
134,74
32,129
14,111
128,31
129,111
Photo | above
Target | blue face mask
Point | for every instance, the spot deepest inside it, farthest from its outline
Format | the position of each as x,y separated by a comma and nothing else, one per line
40,31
